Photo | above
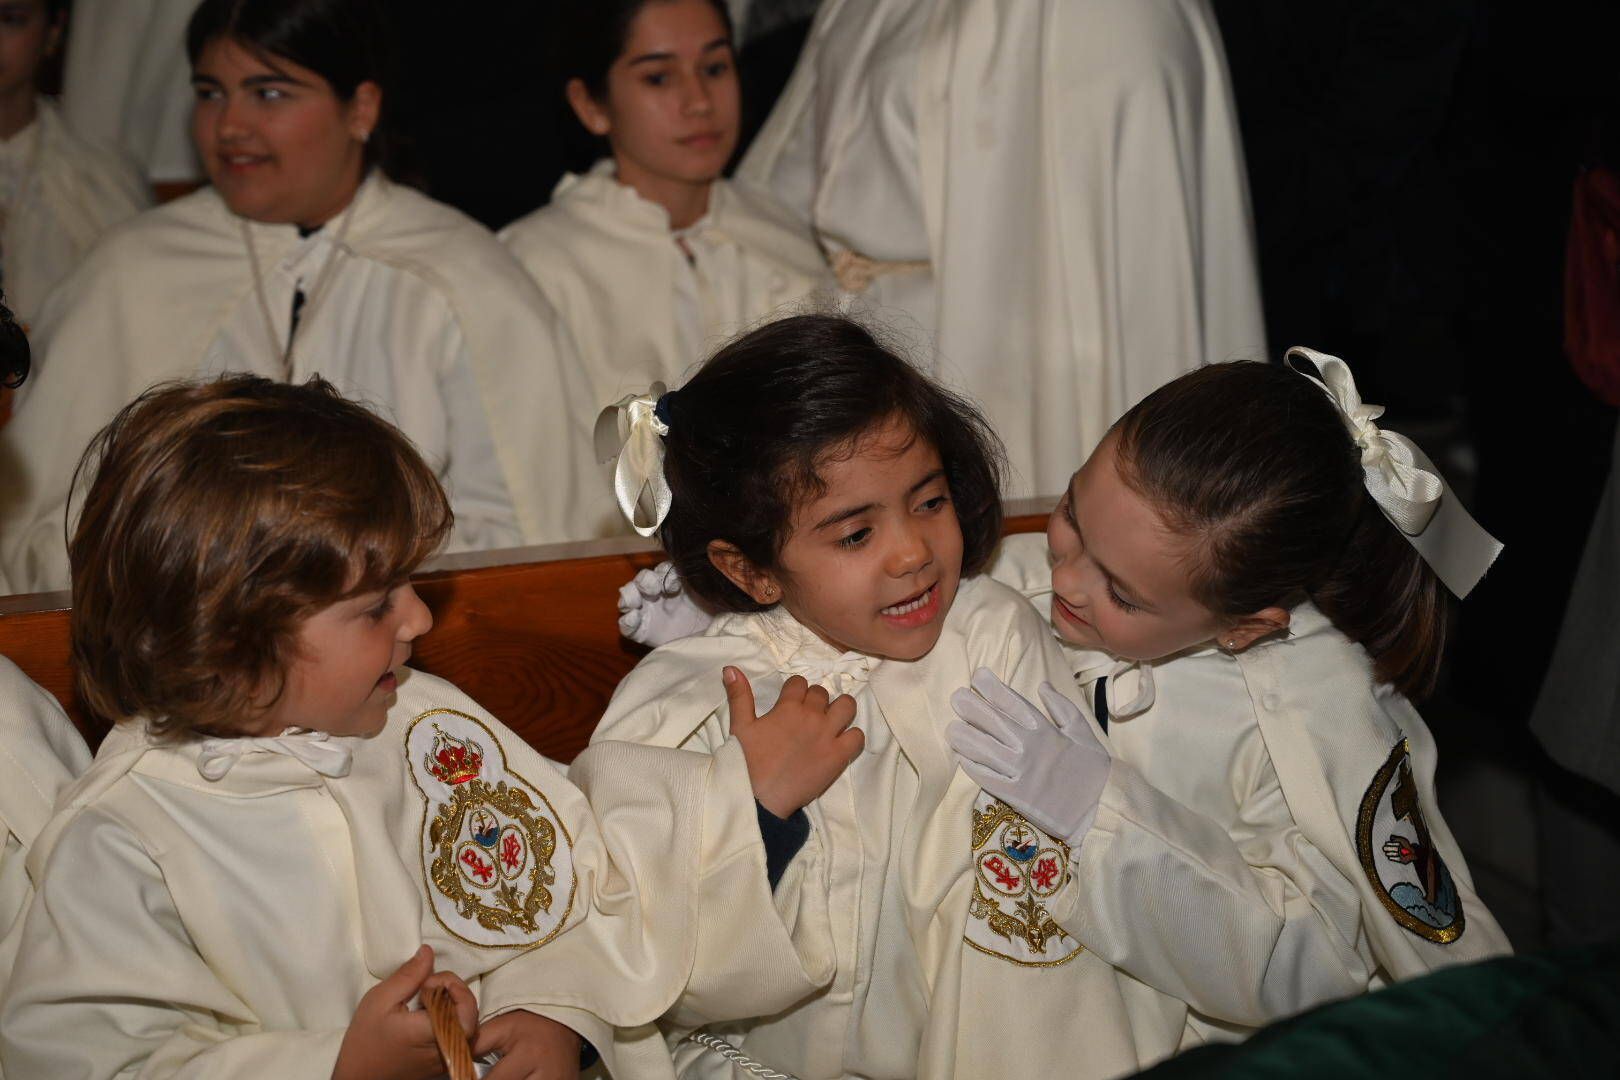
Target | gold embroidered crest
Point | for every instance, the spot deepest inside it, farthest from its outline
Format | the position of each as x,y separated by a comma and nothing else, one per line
1016,868
492,846
1399,856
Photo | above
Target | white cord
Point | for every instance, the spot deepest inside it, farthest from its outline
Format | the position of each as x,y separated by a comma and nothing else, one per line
314,296
746,1065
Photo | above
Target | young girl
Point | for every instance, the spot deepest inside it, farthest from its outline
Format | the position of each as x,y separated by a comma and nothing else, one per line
303,257
58,193
288,829
838,505
1251,577
650,258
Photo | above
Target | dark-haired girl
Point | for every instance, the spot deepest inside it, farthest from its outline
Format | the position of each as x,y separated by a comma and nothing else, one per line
651,258
303,258
1251,578
838,506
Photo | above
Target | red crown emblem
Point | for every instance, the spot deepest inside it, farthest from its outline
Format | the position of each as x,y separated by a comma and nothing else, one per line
453,761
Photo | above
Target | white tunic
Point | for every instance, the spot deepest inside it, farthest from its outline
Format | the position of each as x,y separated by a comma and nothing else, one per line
424,316
40,754
58,194
644,304
127,82
880,945
1076,172
192,924
1237,861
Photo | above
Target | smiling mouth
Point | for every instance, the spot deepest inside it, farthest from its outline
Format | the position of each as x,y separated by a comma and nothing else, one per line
1062,607
707,138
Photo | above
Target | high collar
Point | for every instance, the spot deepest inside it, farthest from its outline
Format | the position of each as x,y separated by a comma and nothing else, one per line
600,189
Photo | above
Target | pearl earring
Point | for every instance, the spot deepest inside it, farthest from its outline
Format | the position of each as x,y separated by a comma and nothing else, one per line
1231,643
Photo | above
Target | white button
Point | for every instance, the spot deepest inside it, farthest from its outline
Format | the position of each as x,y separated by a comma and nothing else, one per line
1271,701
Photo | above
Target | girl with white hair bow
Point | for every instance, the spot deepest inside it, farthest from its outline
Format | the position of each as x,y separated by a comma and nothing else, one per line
1250,576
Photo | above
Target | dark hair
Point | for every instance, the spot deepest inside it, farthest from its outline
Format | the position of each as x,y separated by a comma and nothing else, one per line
749,432
592,34
15,355
1254,464
221,515
345,42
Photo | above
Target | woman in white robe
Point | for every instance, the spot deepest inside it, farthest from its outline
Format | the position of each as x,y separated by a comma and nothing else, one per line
650,258
1052,191
301,261
58,193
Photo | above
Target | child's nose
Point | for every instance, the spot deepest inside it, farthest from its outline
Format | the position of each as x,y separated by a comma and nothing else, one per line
911,553
415,617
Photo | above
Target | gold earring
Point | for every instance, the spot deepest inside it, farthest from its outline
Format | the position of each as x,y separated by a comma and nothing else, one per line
770,592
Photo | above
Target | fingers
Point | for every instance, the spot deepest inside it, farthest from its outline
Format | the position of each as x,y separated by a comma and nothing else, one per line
669,581
975,747
461,996
975,711
406,981
1005,700
852,742
740,697
842,711
1067,715
650,582
494,1034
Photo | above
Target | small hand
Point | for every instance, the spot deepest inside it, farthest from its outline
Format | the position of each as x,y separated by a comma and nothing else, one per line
388,1040
531,1047
1049,766
654,609
800,747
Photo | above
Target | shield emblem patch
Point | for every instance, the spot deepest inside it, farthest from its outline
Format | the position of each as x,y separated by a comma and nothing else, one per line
1400,858
1017,868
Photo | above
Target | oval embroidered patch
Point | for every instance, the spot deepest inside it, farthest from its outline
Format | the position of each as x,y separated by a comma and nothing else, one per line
496,859
1017,867
1400,858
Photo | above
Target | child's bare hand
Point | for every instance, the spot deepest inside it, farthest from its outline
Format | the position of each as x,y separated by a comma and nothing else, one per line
800,747
387,1039
461,996
531,1047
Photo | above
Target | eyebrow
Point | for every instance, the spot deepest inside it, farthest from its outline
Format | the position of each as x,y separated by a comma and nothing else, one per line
855,511
1135,596
251,80
647,58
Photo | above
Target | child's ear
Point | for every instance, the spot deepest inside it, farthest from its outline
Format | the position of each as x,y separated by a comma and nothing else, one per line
588,109
1241,633
759,584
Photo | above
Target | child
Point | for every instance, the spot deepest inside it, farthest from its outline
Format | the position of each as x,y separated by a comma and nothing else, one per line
58,193
1251,594
837,505
651,258
288,829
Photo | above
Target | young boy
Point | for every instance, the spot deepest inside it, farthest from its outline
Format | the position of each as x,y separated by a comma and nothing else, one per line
288,830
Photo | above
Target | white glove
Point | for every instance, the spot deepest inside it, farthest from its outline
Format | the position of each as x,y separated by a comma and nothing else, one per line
1052,771
654,609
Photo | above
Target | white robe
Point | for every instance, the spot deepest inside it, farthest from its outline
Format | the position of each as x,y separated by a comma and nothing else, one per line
189,927
1236,862
639,309
877,956
127,82
63,193
426,317
40,754
1070,173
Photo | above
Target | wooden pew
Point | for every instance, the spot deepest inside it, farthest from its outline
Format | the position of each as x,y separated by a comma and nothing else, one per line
530,633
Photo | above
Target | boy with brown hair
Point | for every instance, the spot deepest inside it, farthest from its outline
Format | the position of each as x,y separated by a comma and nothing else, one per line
288,829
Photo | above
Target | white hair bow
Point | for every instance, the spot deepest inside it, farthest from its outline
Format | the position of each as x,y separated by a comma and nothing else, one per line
631,430
1405,483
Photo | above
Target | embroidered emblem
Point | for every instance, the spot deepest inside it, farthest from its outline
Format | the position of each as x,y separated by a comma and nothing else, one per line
1399,856
1017,867
496,858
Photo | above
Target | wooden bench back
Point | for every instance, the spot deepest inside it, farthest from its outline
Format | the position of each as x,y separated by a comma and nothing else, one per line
533,637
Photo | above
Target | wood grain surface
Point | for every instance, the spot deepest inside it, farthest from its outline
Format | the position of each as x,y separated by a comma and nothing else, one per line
530,633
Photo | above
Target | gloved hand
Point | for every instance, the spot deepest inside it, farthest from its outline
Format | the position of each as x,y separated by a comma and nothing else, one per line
654,609
1052,771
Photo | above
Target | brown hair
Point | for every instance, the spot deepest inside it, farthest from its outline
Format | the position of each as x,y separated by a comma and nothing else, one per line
221,515
1254,464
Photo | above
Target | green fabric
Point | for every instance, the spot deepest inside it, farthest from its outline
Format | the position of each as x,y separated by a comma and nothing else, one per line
1556,1014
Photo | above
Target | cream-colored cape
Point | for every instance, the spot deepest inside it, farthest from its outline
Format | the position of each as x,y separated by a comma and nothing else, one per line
1086,203
608,262
40,754
127,82
187,926
1238,859
153,298
886,949
72,194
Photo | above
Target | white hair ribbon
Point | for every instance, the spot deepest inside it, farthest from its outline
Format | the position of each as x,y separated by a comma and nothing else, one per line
631,430
1405,483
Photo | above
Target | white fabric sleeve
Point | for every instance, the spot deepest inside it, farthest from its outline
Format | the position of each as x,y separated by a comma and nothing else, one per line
485,516
1246,927
108,984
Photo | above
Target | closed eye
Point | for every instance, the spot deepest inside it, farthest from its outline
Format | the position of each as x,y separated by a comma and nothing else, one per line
1120,602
